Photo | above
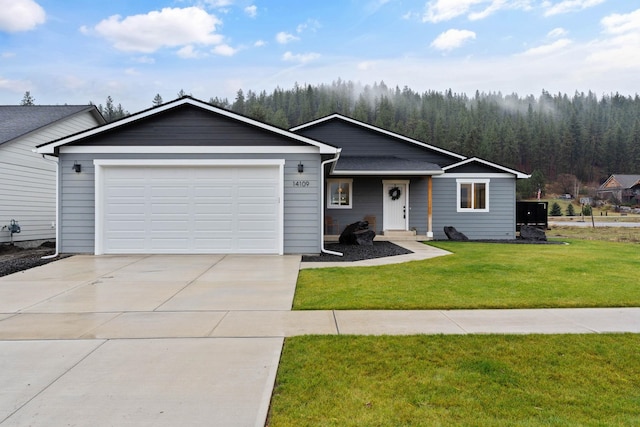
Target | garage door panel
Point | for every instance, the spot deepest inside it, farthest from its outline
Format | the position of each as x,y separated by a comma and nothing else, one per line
180,209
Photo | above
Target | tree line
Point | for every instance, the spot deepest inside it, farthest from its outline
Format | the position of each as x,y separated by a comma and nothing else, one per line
550,136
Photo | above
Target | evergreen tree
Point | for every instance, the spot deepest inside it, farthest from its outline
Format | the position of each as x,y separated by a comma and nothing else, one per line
556,210
570,210
157,100
27,99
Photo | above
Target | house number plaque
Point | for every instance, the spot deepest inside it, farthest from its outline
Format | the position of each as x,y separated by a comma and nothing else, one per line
301,184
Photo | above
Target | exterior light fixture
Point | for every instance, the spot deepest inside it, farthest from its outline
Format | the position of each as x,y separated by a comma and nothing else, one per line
300,167
77,167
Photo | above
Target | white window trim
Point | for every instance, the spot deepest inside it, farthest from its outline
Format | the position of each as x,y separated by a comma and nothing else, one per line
345,181
460,181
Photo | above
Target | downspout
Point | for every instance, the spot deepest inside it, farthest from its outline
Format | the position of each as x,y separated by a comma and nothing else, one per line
322,197
57,162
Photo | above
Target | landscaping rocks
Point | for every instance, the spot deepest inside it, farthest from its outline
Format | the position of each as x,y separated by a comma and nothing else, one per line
357,253
455,235
357,233
532,233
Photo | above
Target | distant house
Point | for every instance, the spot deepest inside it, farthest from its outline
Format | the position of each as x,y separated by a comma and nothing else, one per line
622,188
27,181
188,177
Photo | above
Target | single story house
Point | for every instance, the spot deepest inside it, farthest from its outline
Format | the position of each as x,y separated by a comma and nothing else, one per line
189,177
622,188
27,182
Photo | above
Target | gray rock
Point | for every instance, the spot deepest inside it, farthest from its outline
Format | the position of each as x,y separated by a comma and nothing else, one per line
532,233
455,235
357,233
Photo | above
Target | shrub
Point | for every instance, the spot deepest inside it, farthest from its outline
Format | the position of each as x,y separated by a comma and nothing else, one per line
556,210
570,210
586,210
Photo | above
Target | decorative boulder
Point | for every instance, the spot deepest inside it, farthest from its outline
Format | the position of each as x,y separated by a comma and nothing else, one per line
455,235
357,233
532,233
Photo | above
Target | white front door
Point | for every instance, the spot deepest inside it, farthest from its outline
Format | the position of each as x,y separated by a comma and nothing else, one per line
396,210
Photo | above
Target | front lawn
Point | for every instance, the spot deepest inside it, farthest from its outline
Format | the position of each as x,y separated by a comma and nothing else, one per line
484,275
492,380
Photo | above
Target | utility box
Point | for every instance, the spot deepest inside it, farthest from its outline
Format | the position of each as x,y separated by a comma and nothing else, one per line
534,214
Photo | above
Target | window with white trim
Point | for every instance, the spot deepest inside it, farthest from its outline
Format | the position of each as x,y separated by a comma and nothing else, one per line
473,195
339,193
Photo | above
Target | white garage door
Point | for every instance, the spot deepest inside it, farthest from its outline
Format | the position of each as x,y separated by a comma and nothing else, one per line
190,209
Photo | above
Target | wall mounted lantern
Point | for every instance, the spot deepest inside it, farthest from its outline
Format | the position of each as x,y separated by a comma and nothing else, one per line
77,167
300,167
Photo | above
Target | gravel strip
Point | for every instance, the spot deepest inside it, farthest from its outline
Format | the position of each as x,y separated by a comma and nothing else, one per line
357,253
14,259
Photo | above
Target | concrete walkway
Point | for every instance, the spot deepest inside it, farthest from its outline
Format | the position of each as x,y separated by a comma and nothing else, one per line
194,340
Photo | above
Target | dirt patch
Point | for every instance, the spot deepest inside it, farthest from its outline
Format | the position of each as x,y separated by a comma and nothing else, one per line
14,259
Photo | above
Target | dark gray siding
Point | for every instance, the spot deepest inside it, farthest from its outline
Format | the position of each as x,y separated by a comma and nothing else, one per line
359,141
301,204
498,223
189,125
368,200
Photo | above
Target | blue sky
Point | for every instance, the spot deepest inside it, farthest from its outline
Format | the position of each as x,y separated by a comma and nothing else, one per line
76,51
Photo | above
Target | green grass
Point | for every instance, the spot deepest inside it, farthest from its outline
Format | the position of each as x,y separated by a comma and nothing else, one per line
481,380
583,273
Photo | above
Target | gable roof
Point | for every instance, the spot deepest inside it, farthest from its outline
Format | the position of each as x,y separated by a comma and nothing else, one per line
19,120
50,147
375,129
475,160
620,181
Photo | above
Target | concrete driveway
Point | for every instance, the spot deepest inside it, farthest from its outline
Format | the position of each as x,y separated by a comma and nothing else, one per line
130,340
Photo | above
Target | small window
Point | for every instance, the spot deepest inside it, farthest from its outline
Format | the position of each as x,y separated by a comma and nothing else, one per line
473,195
339,192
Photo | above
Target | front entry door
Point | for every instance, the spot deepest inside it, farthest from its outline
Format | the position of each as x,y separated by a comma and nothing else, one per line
396,208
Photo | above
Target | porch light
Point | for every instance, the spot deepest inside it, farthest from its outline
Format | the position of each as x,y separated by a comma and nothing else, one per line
77,167
300,167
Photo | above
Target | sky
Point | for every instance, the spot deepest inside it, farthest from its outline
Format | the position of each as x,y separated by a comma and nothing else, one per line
81,51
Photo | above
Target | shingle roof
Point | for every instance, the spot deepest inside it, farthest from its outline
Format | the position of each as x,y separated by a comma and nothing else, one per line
382,165
625,181
18,120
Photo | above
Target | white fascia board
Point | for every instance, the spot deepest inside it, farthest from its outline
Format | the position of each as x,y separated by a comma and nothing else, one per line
487,163
391,172
380,130
189,162
187,149
50,148
475,175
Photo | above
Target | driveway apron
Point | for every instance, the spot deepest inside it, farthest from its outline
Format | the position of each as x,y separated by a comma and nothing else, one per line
128,340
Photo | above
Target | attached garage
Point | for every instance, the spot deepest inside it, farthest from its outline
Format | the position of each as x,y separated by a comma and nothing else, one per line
194,207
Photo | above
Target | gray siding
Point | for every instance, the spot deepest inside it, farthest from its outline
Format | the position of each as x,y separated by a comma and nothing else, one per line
368,200
498,223
359,141
188,125
28,182
301,204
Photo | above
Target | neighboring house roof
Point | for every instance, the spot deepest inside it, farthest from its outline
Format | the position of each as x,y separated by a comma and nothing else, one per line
484,163
376,129
19,120
618,181
51,147
374,165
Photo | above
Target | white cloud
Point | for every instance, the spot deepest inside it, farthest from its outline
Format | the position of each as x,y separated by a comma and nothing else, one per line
566,6
548,48
131,72
188,52
219,3
366,65
557,32
302,58
452,39
252,10
20,15
284,37
260,43
145,60
618,24
157,29
444,10
224,50
311,25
